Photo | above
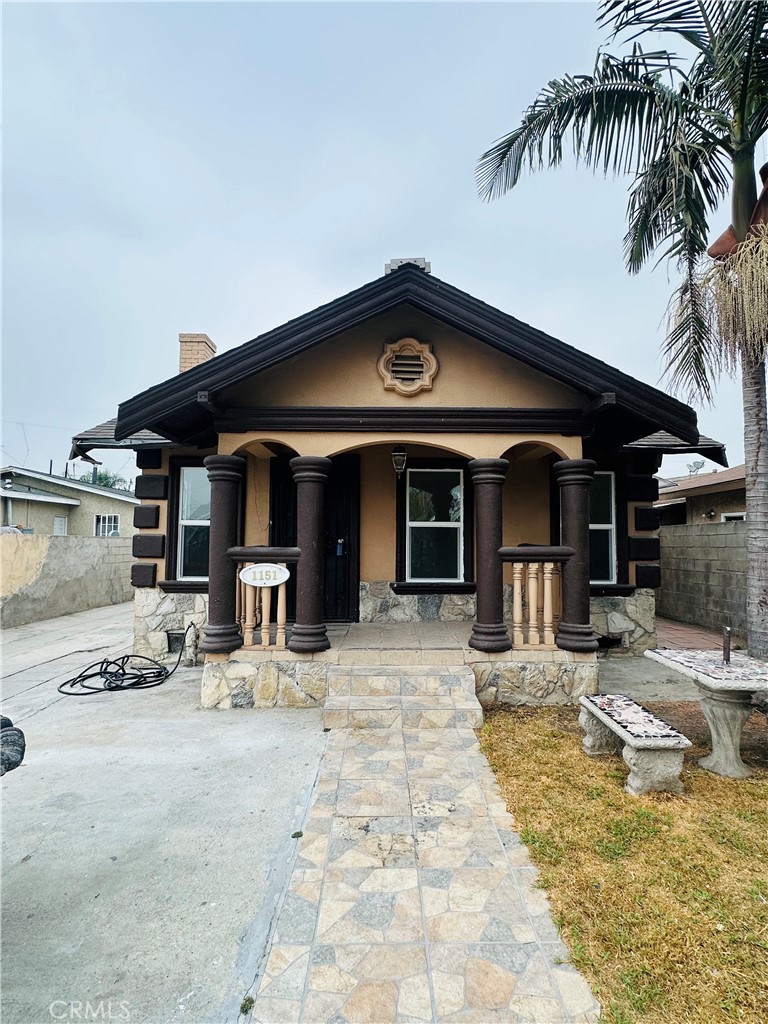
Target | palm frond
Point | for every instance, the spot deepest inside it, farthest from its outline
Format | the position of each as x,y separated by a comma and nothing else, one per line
672,199
692,357
697,21
617,118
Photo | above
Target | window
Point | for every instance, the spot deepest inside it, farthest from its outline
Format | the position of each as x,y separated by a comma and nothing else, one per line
602,529
60,526
106,526
732,517
434,526
194,523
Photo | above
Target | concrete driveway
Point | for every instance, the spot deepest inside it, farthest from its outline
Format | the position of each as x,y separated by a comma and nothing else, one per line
145,840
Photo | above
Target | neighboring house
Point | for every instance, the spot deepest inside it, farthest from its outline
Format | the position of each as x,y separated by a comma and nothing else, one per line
41,503
385,446
716,497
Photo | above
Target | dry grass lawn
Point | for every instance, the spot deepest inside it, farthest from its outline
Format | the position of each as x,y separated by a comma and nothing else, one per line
663,900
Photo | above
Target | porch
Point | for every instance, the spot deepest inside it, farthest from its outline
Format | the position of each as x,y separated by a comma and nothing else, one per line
433,659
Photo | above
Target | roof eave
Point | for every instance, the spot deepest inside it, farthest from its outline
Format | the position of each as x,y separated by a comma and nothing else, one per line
434,297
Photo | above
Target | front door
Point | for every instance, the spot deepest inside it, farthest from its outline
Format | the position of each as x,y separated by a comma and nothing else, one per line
342,533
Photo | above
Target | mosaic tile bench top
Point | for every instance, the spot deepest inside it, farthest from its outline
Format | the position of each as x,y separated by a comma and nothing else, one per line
743,672
412,898
633,720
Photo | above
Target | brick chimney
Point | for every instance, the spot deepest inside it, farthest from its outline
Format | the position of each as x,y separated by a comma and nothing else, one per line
194,349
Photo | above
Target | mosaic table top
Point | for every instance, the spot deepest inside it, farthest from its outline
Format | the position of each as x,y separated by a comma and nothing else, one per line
744,673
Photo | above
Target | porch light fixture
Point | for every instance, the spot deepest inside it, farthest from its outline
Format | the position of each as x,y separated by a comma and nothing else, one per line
399,459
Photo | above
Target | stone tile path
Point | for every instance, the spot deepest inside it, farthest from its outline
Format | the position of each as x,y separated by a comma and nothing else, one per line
682,636
412,897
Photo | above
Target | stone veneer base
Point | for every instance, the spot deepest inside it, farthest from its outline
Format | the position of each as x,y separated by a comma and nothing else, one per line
630,619
284,679
155,612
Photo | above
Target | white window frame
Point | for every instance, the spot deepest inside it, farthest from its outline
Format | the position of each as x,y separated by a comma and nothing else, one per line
609,528
98,521
417,525
180,530
732,517
66,525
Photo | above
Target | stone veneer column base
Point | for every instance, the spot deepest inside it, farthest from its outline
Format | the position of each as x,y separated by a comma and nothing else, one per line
155,612
631,619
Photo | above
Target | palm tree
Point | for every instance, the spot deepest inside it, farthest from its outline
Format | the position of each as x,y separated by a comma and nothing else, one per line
686,131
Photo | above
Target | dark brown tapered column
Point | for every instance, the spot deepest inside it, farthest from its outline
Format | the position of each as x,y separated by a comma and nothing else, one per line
489,632
222,633
310,474
574,477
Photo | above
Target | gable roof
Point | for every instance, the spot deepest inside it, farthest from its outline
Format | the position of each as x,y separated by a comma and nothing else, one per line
666,444
733,479
67,481
172,408
103,436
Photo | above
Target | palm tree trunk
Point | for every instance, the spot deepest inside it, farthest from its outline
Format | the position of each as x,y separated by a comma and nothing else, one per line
756,462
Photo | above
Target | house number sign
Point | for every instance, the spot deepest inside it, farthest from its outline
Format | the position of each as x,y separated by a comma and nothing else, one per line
264,575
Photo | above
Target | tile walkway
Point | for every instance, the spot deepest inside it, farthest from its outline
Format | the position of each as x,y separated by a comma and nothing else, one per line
683,636
412,897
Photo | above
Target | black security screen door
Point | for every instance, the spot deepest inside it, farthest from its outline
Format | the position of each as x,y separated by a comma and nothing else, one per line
342,533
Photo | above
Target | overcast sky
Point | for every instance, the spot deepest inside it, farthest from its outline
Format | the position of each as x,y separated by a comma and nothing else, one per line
225,167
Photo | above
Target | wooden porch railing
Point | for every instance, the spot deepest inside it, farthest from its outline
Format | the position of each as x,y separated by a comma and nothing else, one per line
253,605
536,593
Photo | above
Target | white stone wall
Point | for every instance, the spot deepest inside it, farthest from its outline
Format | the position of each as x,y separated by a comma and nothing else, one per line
536,678
155,612
630,619
379,603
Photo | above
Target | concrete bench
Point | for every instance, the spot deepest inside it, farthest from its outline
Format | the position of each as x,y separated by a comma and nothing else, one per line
652,749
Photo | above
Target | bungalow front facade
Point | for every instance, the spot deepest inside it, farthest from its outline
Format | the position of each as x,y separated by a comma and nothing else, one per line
410,455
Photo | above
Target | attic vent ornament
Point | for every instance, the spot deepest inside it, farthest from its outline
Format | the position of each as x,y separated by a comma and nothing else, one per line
407,366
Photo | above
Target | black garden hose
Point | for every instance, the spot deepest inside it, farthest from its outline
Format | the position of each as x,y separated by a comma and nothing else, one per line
113,674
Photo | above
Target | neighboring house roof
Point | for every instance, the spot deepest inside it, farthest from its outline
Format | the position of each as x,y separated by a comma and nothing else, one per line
707,483
22,494
103,436
64,481
666,444
173,410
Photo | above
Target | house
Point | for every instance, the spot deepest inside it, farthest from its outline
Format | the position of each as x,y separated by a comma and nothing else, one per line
411,454
716,497
42,503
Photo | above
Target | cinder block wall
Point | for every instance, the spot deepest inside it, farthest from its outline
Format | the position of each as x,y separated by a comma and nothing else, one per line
703,575
44,577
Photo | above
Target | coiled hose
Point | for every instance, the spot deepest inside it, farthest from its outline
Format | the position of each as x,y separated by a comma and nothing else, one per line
114,674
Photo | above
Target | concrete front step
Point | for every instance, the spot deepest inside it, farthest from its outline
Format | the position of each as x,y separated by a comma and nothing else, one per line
455,681
397,712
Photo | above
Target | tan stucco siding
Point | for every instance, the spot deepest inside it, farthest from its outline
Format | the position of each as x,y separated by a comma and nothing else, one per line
342,372
256,501
39,515
726,501
471,446
377,515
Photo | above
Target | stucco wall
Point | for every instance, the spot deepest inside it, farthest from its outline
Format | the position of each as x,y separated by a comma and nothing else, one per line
725,501
342,372
43,577
703,575
38,515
